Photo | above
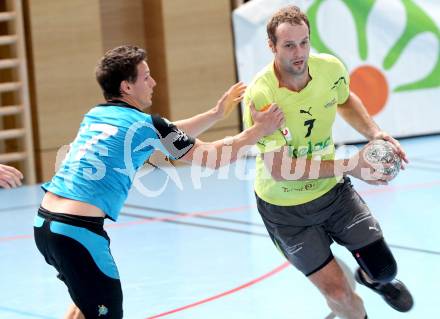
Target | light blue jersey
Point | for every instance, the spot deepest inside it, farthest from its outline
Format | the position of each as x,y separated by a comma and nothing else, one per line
113,142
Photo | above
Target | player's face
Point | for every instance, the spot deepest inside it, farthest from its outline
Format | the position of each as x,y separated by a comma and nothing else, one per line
142,90
292,48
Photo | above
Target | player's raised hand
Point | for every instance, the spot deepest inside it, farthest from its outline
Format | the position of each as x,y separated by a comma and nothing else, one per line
230,100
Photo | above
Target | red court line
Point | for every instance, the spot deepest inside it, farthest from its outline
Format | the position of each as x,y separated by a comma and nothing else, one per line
286,264
17,237
234,209
223,294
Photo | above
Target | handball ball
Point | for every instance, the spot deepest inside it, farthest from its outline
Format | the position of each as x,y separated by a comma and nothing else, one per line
381,151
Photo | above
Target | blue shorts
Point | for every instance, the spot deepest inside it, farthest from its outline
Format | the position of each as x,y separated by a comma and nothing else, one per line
79,249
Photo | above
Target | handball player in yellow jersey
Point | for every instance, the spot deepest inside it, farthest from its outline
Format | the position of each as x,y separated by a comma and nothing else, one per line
303,194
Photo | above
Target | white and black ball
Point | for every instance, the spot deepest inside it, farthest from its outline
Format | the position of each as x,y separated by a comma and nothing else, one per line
382,152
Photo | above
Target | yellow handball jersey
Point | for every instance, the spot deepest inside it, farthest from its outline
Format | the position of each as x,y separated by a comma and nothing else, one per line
309,115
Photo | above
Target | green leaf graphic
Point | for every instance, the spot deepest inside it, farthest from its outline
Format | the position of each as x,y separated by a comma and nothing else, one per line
417,22
360,11
316,40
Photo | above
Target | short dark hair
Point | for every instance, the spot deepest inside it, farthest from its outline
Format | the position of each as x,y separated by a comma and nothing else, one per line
117,65
290,14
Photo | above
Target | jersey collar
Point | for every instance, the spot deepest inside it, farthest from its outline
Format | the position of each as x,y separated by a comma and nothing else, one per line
120,104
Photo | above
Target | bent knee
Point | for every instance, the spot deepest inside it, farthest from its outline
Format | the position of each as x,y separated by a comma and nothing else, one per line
385,274
377,261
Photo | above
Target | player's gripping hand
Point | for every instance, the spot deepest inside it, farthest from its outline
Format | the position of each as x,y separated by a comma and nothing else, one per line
398,148
370,172
268,121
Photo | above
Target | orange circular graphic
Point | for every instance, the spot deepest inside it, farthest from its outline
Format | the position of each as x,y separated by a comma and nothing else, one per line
370,84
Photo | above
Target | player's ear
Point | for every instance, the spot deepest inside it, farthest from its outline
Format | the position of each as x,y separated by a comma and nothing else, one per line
125,87
271,45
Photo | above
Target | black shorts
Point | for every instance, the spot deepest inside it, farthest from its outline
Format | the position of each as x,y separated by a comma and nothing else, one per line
79,249
304,233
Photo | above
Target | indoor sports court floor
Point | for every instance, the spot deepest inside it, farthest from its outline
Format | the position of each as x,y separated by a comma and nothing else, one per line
202,253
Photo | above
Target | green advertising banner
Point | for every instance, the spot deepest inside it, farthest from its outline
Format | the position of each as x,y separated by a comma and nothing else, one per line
391,49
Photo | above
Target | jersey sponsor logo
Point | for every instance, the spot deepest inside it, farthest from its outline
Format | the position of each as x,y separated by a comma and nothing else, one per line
167,144
180,136
267,142
338,81
303,188
319,148
306,112
330,103
286,133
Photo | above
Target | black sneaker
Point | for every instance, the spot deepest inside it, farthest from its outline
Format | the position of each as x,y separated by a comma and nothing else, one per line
394,293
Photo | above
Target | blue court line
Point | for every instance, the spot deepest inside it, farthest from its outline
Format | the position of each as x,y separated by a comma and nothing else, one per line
24,313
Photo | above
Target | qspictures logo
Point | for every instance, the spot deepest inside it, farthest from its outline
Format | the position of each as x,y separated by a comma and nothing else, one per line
388,37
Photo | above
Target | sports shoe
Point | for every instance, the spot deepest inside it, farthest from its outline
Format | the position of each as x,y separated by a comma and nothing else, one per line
394,293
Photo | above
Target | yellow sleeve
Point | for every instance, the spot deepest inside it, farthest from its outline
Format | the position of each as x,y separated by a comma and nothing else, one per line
261,98
343,84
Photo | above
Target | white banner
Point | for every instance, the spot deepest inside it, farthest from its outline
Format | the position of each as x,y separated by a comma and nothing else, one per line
390,47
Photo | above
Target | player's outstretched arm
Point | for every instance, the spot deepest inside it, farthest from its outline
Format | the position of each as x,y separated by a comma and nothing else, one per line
223,152
283,167
10,177
198,124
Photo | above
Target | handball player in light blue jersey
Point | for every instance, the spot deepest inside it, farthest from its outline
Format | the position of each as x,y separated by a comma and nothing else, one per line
114,140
